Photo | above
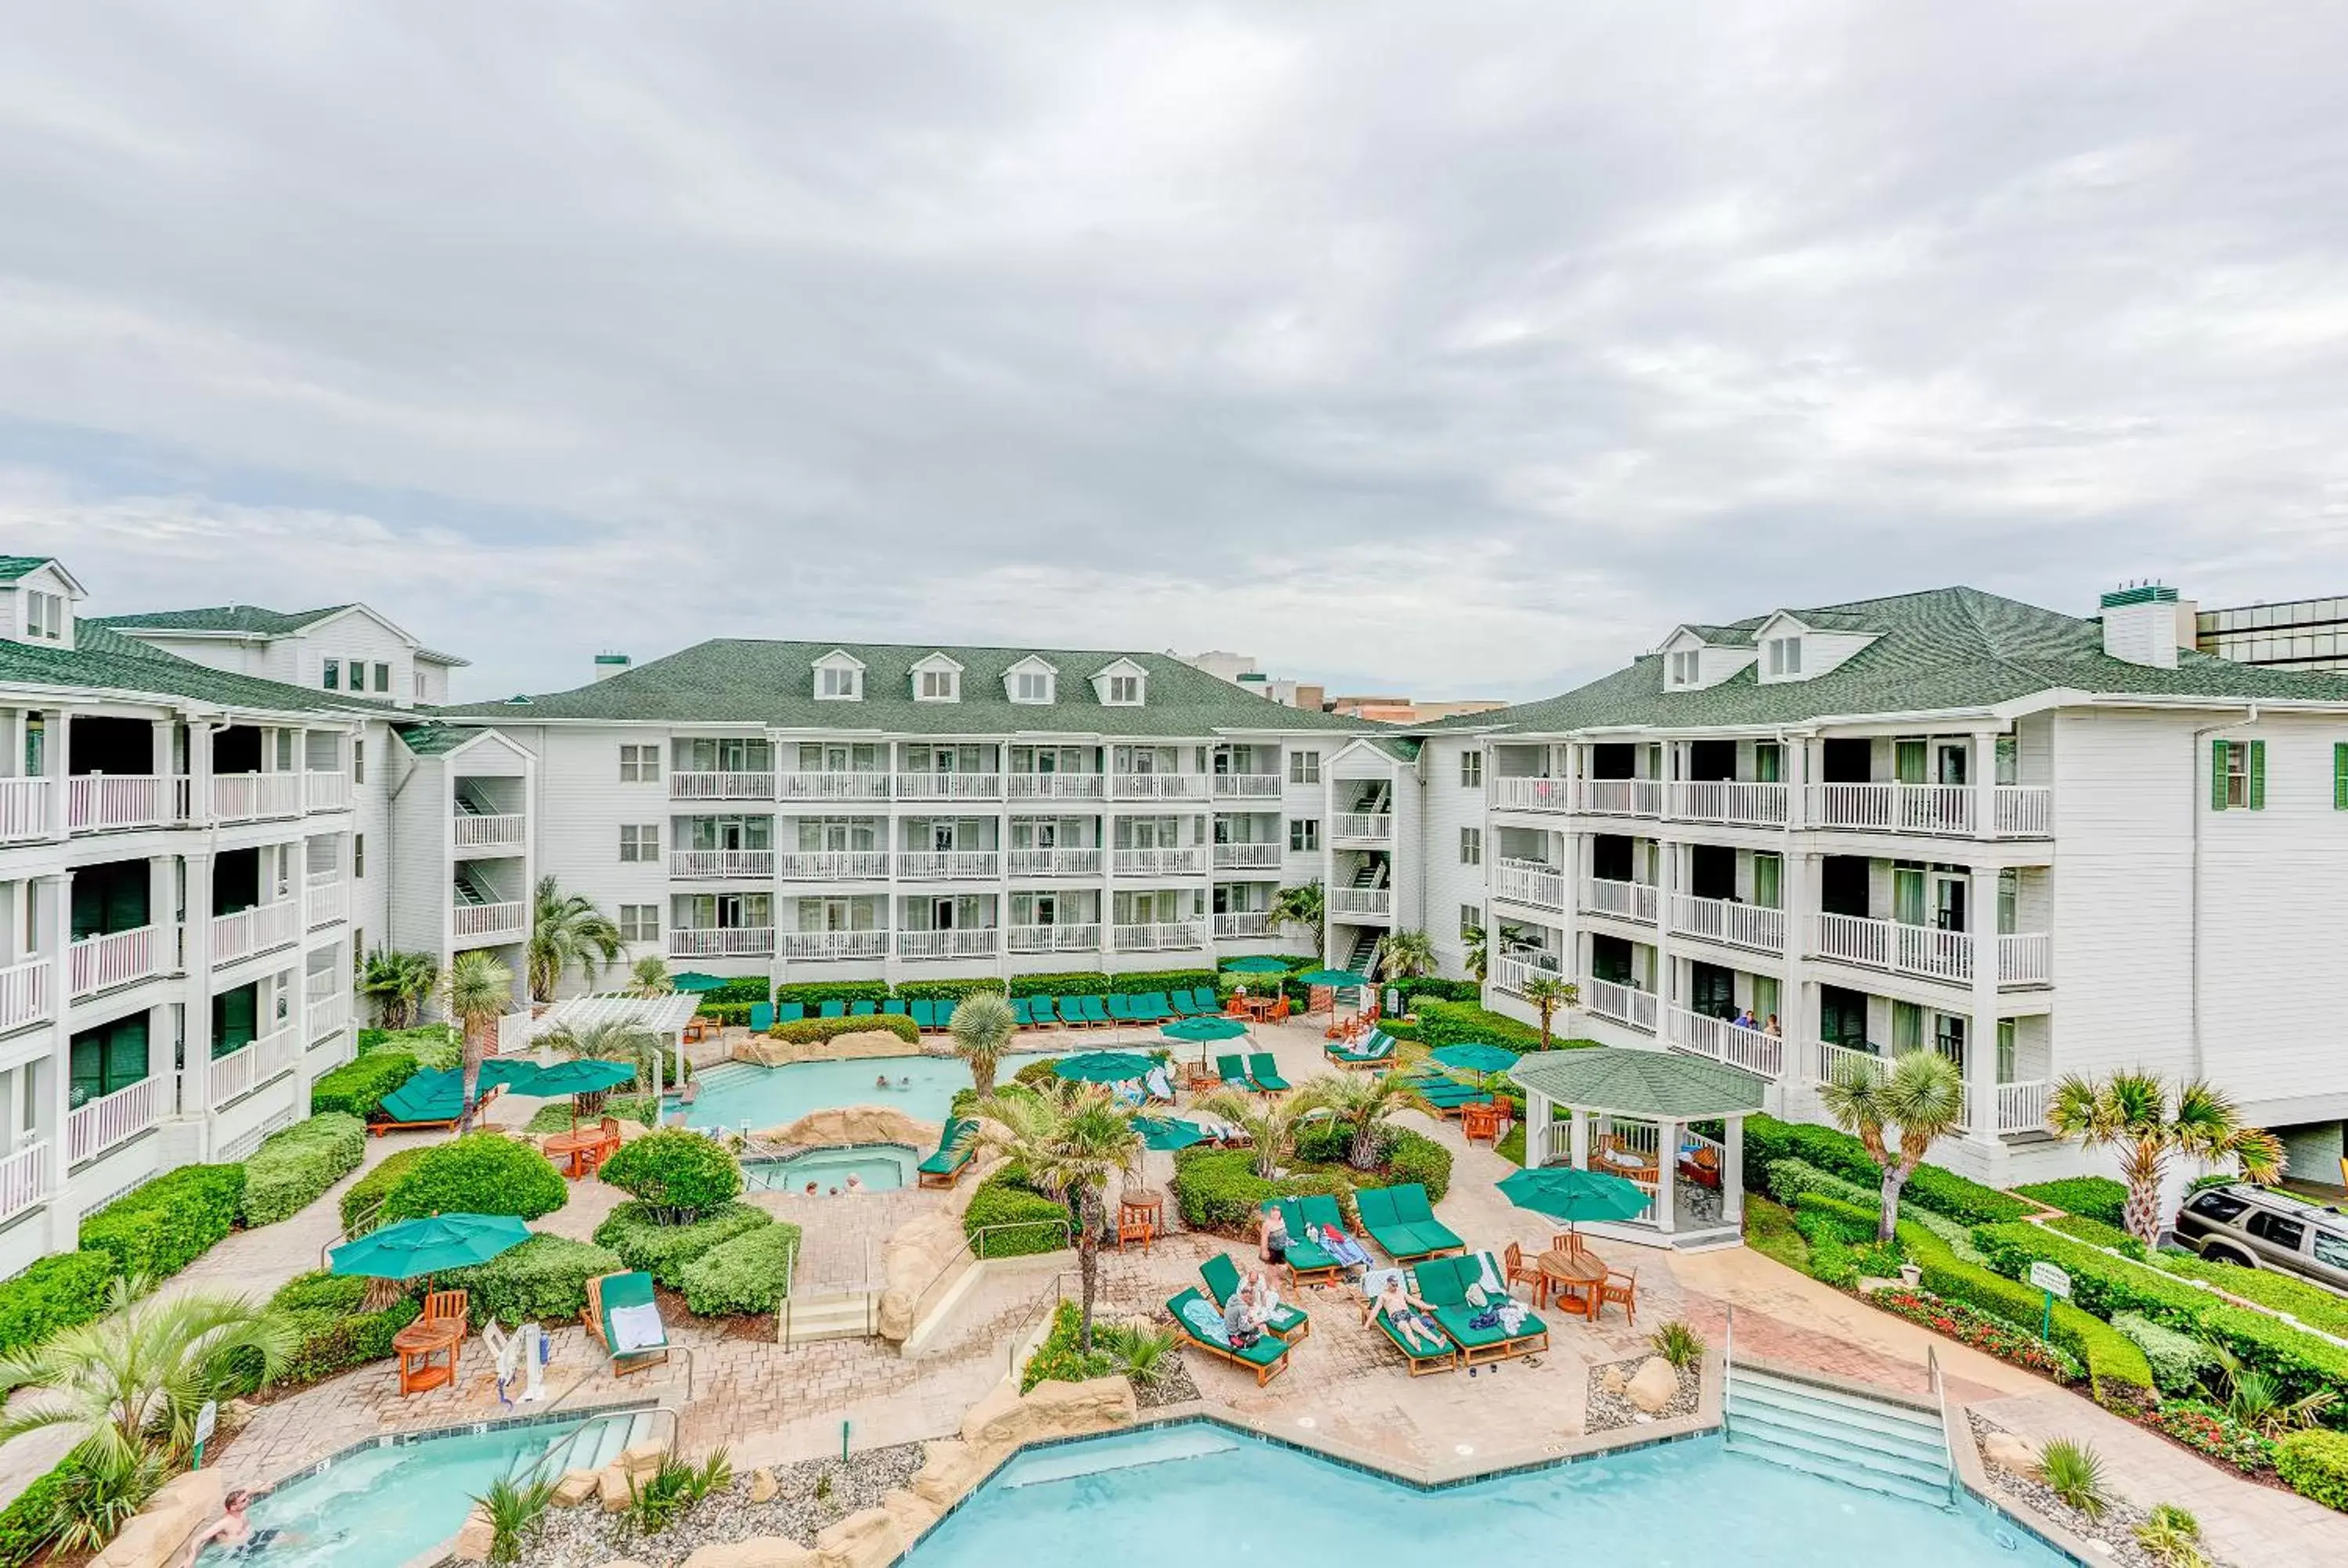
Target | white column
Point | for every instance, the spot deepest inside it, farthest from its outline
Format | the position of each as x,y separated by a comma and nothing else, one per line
1667,1160
1537,1120
1732,1171
1982,781
1578,1138
1980,1029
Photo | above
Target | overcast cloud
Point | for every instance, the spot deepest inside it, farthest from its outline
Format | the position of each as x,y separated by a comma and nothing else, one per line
1453,348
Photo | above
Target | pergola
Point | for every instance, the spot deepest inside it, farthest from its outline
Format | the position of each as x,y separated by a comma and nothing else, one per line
665,1015
1629,1112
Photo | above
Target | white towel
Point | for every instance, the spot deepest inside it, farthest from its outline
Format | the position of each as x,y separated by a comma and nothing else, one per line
1492,1275
1159,1089
636,1328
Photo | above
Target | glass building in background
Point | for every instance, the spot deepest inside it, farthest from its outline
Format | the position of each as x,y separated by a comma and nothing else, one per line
2298,634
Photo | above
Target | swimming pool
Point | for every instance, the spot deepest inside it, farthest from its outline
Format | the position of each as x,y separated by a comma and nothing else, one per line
762,1098
1178,1496
880,1166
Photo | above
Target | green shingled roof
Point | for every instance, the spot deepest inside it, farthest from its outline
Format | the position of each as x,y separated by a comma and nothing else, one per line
433,740
1943,649
105,660
1641,1083
250,619
752,681
14,566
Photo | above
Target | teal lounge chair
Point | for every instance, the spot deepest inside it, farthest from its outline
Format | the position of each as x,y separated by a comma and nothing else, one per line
1095,1014
924,1014
1377,1050
1185,1004
862,1009
834,1010
609,1294
1201,1323
790,1012
1022,1016
1399,1221
1120,1008
426,1099
762,1016
1442,1357
1309,1262
1233,1073
895,1007
1152,1008
1072,1013
944,1168
1223,1277
1443,1284
1266,1073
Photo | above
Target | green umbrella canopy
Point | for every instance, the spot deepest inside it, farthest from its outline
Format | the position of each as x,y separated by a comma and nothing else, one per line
433,1245
1258,964
1164,1133
1103,1067
694,980
1338,978
1473,1056
585,1076
1562,1192
1198,1029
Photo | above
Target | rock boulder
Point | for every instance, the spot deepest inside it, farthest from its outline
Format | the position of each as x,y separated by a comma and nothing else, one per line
1007,1419
858,1124
911,1260
474,1540
757,1552
767,1052
576,1487
158,1537
866,1540
762,1486
1653,1386
2015,1456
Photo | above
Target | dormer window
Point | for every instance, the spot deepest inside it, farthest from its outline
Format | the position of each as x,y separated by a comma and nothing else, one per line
44,615
839,679
1124,684
1785,655
1030,682
837,683
1684,667
1124,691
937,680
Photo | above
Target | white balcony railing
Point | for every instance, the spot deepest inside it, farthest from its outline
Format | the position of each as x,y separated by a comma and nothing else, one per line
1925,951
327,791
243,796
1246,786
1745,805
1725,920
1530,794
118,958
1167,937
24,808
1364,827
28,991
2023,810
1244,925
249,1067
1247,857
721,942
1376,901
821,945
1701,1035
1621,797
1830,1062
727,786
325,1016
478,920
97,801
1058,786
1159,785
1510,970
25,1178
977,941
2025,958
1074,861
95,1126
1181,861
839,786
255,930
487,832
930,865
2021,1107
721,864
1533,882
2018,810
328,897
1051,938
1623,1004
1622,899
949,786
831,865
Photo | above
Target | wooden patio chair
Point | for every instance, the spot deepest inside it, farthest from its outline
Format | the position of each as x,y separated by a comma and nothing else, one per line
1133,1225
450,1307
1514,1268
1569,1242
1620,1287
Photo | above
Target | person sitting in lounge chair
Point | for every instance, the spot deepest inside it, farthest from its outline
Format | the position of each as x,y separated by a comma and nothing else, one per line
1342,1247
1130,1093
1264,1298
1275,1238
1240,1325
1160,1087
1412,1318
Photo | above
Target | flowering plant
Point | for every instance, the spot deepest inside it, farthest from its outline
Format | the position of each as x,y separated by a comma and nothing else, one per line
1971,1326
2208,1429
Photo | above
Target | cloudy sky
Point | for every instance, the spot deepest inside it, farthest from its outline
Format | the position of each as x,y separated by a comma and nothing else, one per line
1454,348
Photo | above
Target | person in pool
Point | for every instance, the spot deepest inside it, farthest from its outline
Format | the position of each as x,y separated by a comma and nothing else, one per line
234,1530
882,1081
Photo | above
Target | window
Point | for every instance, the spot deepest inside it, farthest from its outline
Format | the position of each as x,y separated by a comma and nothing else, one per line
2330,1250
1472,921
640,842
640,763
640,923
2005,1050
2285,1234
1471,846
1304,768
420,684
1031,687
934,686
2238,775
836,683
359,855
333,677
383,678
2218,1206
358,761
1304,834
1124,691
44,615
1785,655
1471,770
1683,666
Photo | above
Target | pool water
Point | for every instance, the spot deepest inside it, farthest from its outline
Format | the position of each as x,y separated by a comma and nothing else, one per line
1180,1496
765,1098
382,1507
881,1167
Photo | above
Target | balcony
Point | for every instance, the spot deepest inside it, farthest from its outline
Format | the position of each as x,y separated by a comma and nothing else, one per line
327,791
118,958
1073,862
1058,786
249,1067
250,796
1051,938
948,865
28,992
736,863
1167,937
1510,971
1621,797
721,786
721,942
24,808
1724,920
1159,785
1831,1062
1622,1004
255,930
472,831
1924,950
97,802
2018,810
477,924
1699,1034
976,942
25,1179
1363,827
1179,861
1245,925
325,1017
816,786
822,945
95,1126
2021,1107
1247,857
949,786
2025,958
1246,786
1530,794
1534,883
1633,900
328,897
829,865
1732,803
1377,902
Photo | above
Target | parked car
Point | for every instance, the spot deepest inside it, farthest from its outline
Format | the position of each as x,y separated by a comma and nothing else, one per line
2253,1227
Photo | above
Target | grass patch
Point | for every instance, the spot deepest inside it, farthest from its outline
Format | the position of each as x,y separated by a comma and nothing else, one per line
1769,1231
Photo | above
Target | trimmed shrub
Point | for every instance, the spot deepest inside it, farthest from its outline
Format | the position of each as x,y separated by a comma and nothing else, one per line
1218,1189
1142,982
746,1275
815,993
662,1251
738,991
2178,1360
2097,1234
29,1522
363,1198
1414,1157
2116,1369
358,1086
2314,1464
1075,983
63,1291
555,1114
946,990
676,1174
1018,1220
544,1278
1456,1023
2310,1304
437,1047
1434,990
479,1173
2205,1428
1855,1223
170,1223
1767,1139
294,1168
1400,1028
336,1333
1789,1179
730,1014
822,1029
2093,1197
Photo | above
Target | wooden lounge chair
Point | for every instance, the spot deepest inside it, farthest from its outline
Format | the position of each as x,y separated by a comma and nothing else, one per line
1223,1277
1152,1008
1120,1008
1422,1360
1443,1284
944,1167
1096,1015
611,1293
1233,1072
1399,1219
1266,1073
1186,1004
1201,1326
790,1012
1072,1013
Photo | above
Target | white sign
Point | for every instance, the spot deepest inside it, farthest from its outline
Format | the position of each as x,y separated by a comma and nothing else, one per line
206,1418
2047,1277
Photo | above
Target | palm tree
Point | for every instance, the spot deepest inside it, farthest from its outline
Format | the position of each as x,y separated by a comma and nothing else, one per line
980,1027
1478,954
1070,1141
1406,955
567,929
650,977
1361,1102
398,983
478,991
132,1382
1922,1095
2130,1111
1547,994
611,1040
1269,1123
1305,904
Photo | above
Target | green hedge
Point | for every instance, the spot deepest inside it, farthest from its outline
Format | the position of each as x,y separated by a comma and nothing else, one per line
663,1250
437,1047
1435,990
2314,1464
2178,1360
62,1291
1414,1157
1218,1189
731,1014
292,1168
363,1198
820,1029
738,991
2118,1371
544,1278
29,1522
358,1086
745,1276
555,1114
336,1333
482,1172
1075,983
1142,982
1767,1139
679,1174
2310,1304
168,1224
815,993
1004,1199
946,990
1789,1179
2095,1197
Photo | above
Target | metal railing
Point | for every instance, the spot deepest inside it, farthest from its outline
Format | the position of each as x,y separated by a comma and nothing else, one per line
721,786
1045,1301
949,865
1727,1366
826,865
95,1126
974,1249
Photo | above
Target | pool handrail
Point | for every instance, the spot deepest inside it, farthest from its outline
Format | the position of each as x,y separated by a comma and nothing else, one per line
972,1249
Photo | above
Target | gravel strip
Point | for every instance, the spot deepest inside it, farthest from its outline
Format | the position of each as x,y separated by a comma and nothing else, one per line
2116,1530
1174,1388
1609,1412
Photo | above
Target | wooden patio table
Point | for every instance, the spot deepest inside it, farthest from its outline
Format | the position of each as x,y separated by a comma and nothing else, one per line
1578,1272
418,1343
572,1146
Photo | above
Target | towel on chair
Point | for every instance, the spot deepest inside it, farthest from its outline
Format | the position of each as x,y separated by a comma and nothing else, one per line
1203,1320
636,1328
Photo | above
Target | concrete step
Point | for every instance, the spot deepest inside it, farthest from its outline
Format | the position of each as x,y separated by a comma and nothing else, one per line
1837,1469
843,1316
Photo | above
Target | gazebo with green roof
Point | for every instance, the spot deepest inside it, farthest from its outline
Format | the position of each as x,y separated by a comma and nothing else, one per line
1631,1112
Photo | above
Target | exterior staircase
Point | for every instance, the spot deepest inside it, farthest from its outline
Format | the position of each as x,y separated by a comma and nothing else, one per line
1878,1442
1364,954
590,1446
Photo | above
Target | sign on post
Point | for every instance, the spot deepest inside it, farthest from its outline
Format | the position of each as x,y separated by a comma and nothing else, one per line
2051,1279
206,1420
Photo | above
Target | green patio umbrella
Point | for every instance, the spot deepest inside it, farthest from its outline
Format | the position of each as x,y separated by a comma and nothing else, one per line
1195,1031
1336,979
1562,1192
584,1076
1474,1056
1163,1133
517,1073
1103,1067
434,1245
1258,964
694,980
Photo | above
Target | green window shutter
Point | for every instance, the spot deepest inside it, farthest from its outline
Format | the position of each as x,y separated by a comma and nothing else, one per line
2258,775
2217,776
2340,776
